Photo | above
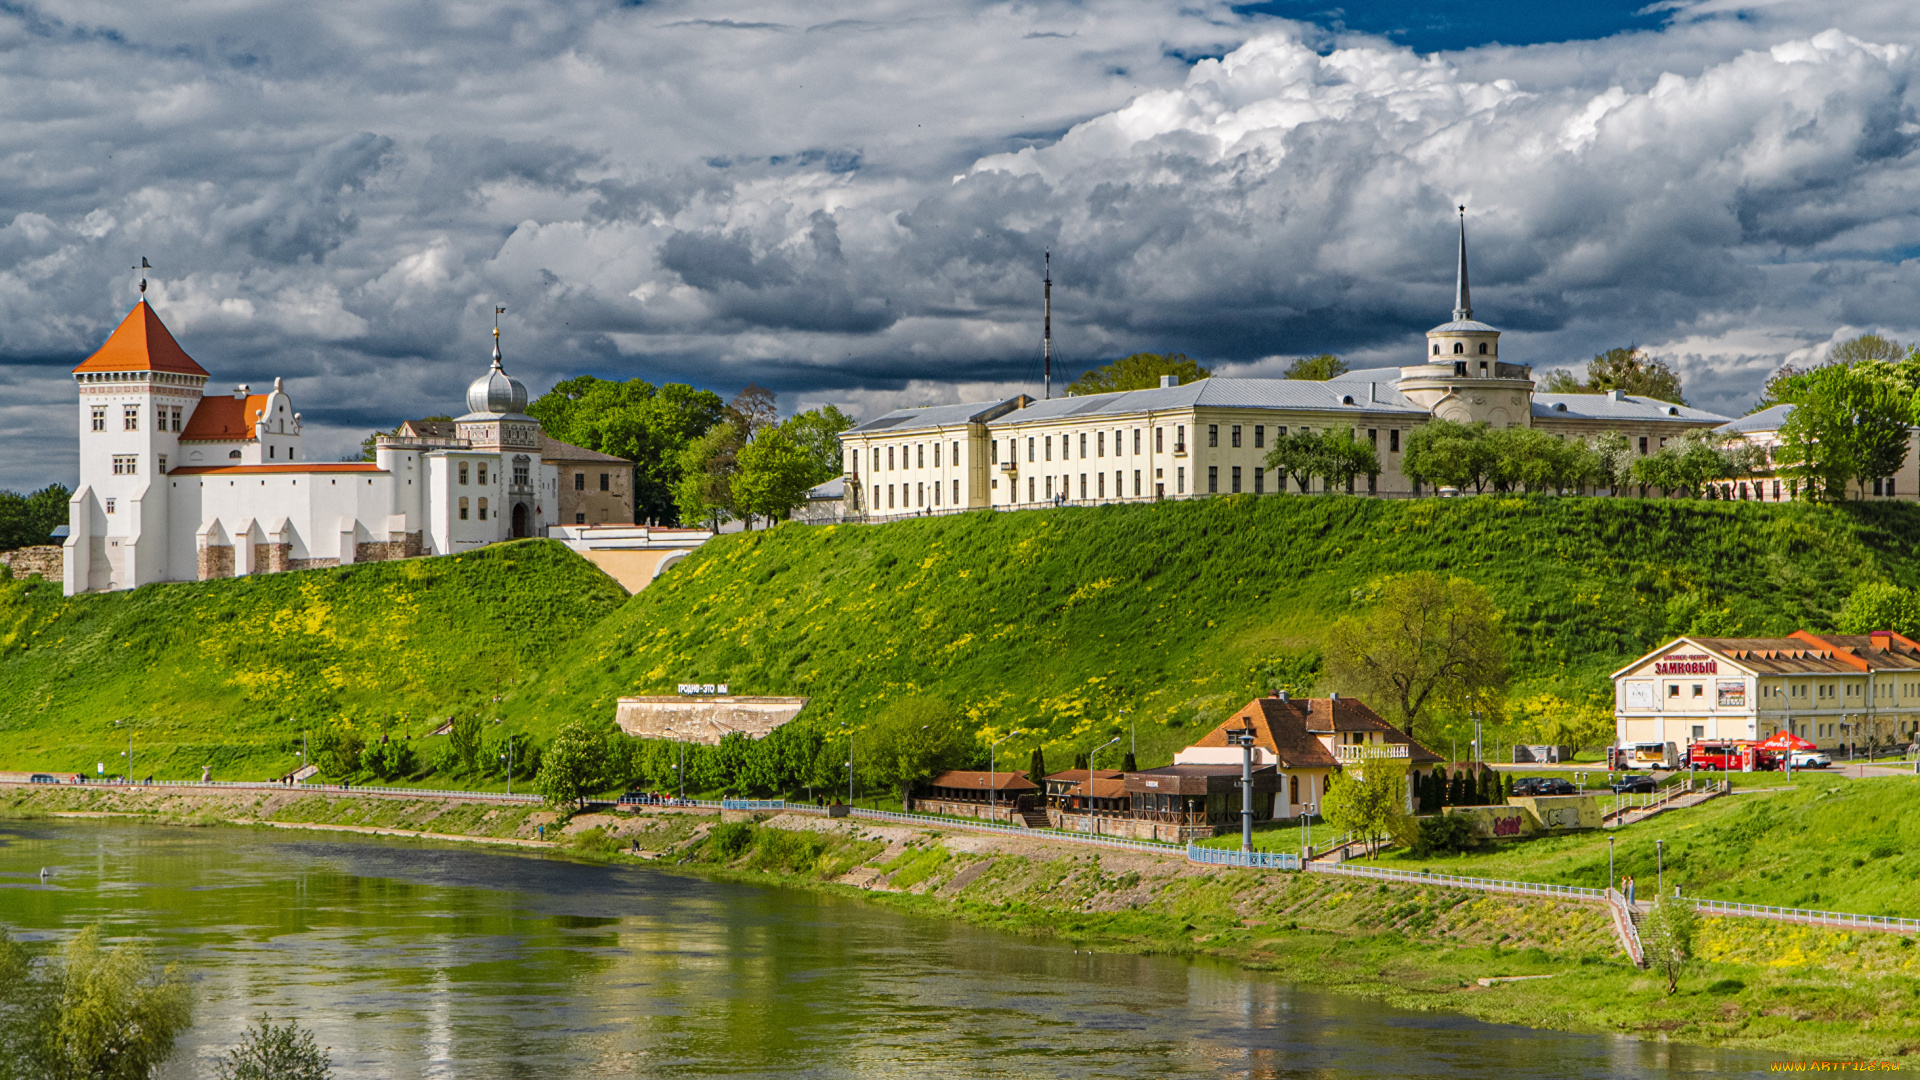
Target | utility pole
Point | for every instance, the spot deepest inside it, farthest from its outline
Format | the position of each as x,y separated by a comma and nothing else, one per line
509,764
1046,336
1092,821
993,779
1243,738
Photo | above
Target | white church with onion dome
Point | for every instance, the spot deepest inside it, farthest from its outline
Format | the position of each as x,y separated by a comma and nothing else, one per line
177,484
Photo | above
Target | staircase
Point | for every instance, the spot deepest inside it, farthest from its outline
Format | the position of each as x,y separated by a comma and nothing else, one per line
1036,819
1626,925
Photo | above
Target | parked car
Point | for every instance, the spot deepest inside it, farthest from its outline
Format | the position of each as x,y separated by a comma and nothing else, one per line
1543,785
42,778
1633,785
1810,759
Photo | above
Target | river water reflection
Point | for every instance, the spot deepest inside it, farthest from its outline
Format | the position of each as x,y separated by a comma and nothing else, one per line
414,960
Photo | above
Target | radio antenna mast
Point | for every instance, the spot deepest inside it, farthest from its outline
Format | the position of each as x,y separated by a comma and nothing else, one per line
1046,338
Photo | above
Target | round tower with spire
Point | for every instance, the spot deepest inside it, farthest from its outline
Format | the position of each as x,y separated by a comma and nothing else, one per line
1463,378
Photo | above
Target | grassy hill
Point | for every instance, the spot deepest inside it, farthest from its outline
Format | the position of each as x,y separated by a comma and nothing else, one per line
1073,621
228,673
1067,623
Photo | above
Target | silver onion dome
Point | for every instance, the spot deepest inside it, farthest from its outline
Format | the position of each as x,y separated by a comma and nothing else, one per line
496,391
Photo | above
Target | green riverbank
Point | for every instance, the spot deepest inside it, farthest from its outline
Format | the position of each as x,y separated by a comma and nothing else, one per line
1797,991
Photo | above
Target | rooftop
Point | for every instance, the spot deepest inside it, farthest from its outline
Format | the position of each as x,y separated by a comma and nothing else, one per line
141,343
1346,395
1769,419
296,469
225,419
984,781
1615,405
936,416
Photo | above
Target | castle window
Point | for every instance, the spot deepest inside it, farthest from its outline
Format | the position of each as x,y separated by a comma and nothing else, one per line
125,464
163,465
176,419
579,519
463,472
521,471
273,451
483,509
1483,348
1458,347
579,481
483,479
233,455
99,418
463,508
605,480
130,417
109,506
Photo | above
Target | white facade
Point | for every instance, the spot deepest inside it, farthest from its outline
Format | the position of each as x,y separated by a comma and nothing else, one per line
176,485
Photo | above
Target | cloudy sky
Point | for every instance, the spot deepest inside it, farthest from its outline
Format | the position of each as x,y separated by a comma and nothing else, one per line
849,201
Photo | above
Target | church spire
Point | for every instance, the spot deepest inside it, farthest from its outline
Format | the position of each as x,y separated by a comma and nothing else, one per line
1462,303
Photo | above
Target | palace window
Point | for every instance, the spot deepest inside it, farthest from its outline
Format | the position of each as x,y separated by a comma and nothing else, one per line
1436,348
1048,448
1083,446
99,418
483,508
482,467
1259,480
579,481
130,417
1179,438
233,455
176,419
1483,348
920,455
1100,445
606,482
1236,434
125,464
1136,440
1180,480
522,470
1029,453
956,493
1136,483
463,508
1213,434
954,458
1259,436
1159,445
463,472
579,519
1393,441
1458,347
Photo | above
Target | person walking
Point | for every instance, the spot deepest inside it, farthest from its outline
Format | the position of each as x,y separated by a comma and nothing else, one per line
1629,890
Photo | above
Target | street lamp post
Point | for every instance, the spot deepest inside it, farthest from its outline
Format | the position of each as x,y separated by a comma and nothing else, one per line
993,780
1093,823
1243,738
1306,832
1660,857
509,759
1610,877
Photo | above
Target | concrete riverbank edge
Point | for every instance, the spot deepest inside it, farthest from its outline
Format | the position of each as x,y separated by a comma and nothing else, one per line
1800,992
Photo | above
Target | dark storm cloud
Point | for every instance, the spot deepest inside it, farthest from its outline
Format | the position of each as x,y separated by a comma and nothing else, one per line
851,202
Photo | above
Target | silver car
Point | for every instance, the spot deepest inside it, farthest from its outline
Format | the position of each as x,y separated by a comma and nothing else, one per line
1810,759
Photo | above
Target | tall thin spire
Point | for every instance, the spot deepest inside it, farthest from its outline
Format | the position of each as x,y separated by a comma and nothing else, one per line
1046,336
497,312
1462,303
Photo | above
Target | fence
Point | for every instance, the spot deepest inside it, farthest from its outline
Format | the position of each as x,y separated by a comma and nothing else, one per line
753,804
1455,881
1804,915
1265,860
349,789
994,826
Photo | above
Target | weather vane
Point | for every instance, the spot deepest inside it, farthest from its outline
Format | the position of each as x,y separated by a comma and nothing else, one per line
144,265
497,312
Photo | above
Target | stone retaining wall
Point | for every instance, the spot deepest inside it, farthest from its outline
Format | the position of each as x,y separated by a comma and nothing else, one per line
47,560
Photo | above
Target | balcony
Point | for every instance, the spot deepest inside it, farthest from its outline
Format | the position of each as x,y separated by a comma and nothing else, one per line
1344,752
1010,466
1179,448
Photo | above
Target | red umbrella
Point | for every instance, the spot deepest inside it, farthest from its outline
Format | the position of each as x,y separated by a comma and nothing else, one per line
1787,740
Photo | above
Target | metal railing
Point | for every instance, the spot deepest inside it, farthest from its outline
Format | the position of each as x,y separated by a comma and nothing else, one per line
1265,860
308,787
1364,751
1624,927
753,804
1455,881
1000,827
1804,915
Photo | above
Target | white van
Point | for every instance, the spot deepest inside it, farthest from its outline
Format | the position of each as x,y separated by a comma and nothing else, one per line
1650,755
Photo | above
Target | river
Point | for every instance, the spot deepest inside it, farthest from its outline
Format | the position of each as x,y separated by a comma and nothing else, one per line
417,960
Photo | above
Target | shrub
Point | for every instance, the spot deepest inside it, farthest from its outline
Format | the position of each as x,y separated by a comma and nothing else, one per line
1444,833
594,843
267,1052
728,842
389,760
91,1014
575,764
337,750
1726,986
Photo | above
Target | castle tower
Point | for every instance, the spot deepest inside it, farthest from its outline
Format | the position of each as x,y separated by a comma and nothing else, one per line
1463,378
137,393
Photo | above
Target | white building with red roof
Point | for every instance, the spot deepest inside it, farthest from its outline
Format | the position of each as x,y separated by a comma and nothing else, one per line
180,485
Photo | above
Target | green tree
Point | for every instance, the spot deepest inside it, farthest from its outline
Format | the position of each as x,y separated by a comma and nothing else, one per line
1867,347
462,754
1428,641
91,1012
774,475
1342,457
1628,369
1369,800
1449,454
636,420
1878,605
912,740
1297,454
1849,425
390,759
575,764
275,1052
337,749
704,492
29,520
1667,936
1317,368
1037,766
817,433
1141,371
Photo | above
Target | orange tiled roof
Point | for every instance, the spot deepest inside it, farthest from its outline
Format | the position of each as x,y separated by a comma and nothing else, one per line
141,343
225,419
296,468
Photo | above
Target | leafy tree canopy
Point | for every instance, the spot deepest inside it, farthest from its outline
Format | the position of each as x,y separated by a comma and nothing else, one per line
636,420
1318,368
911,741
1141,371
26,520
1628,369
1426,641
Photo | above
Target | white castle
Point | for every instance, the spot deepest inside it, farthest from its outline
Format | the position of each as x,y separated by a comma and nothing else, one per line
179,485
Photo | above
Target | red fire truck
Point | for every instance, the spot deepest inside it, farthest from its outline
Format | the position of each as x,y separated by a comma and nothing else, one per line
1730,755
